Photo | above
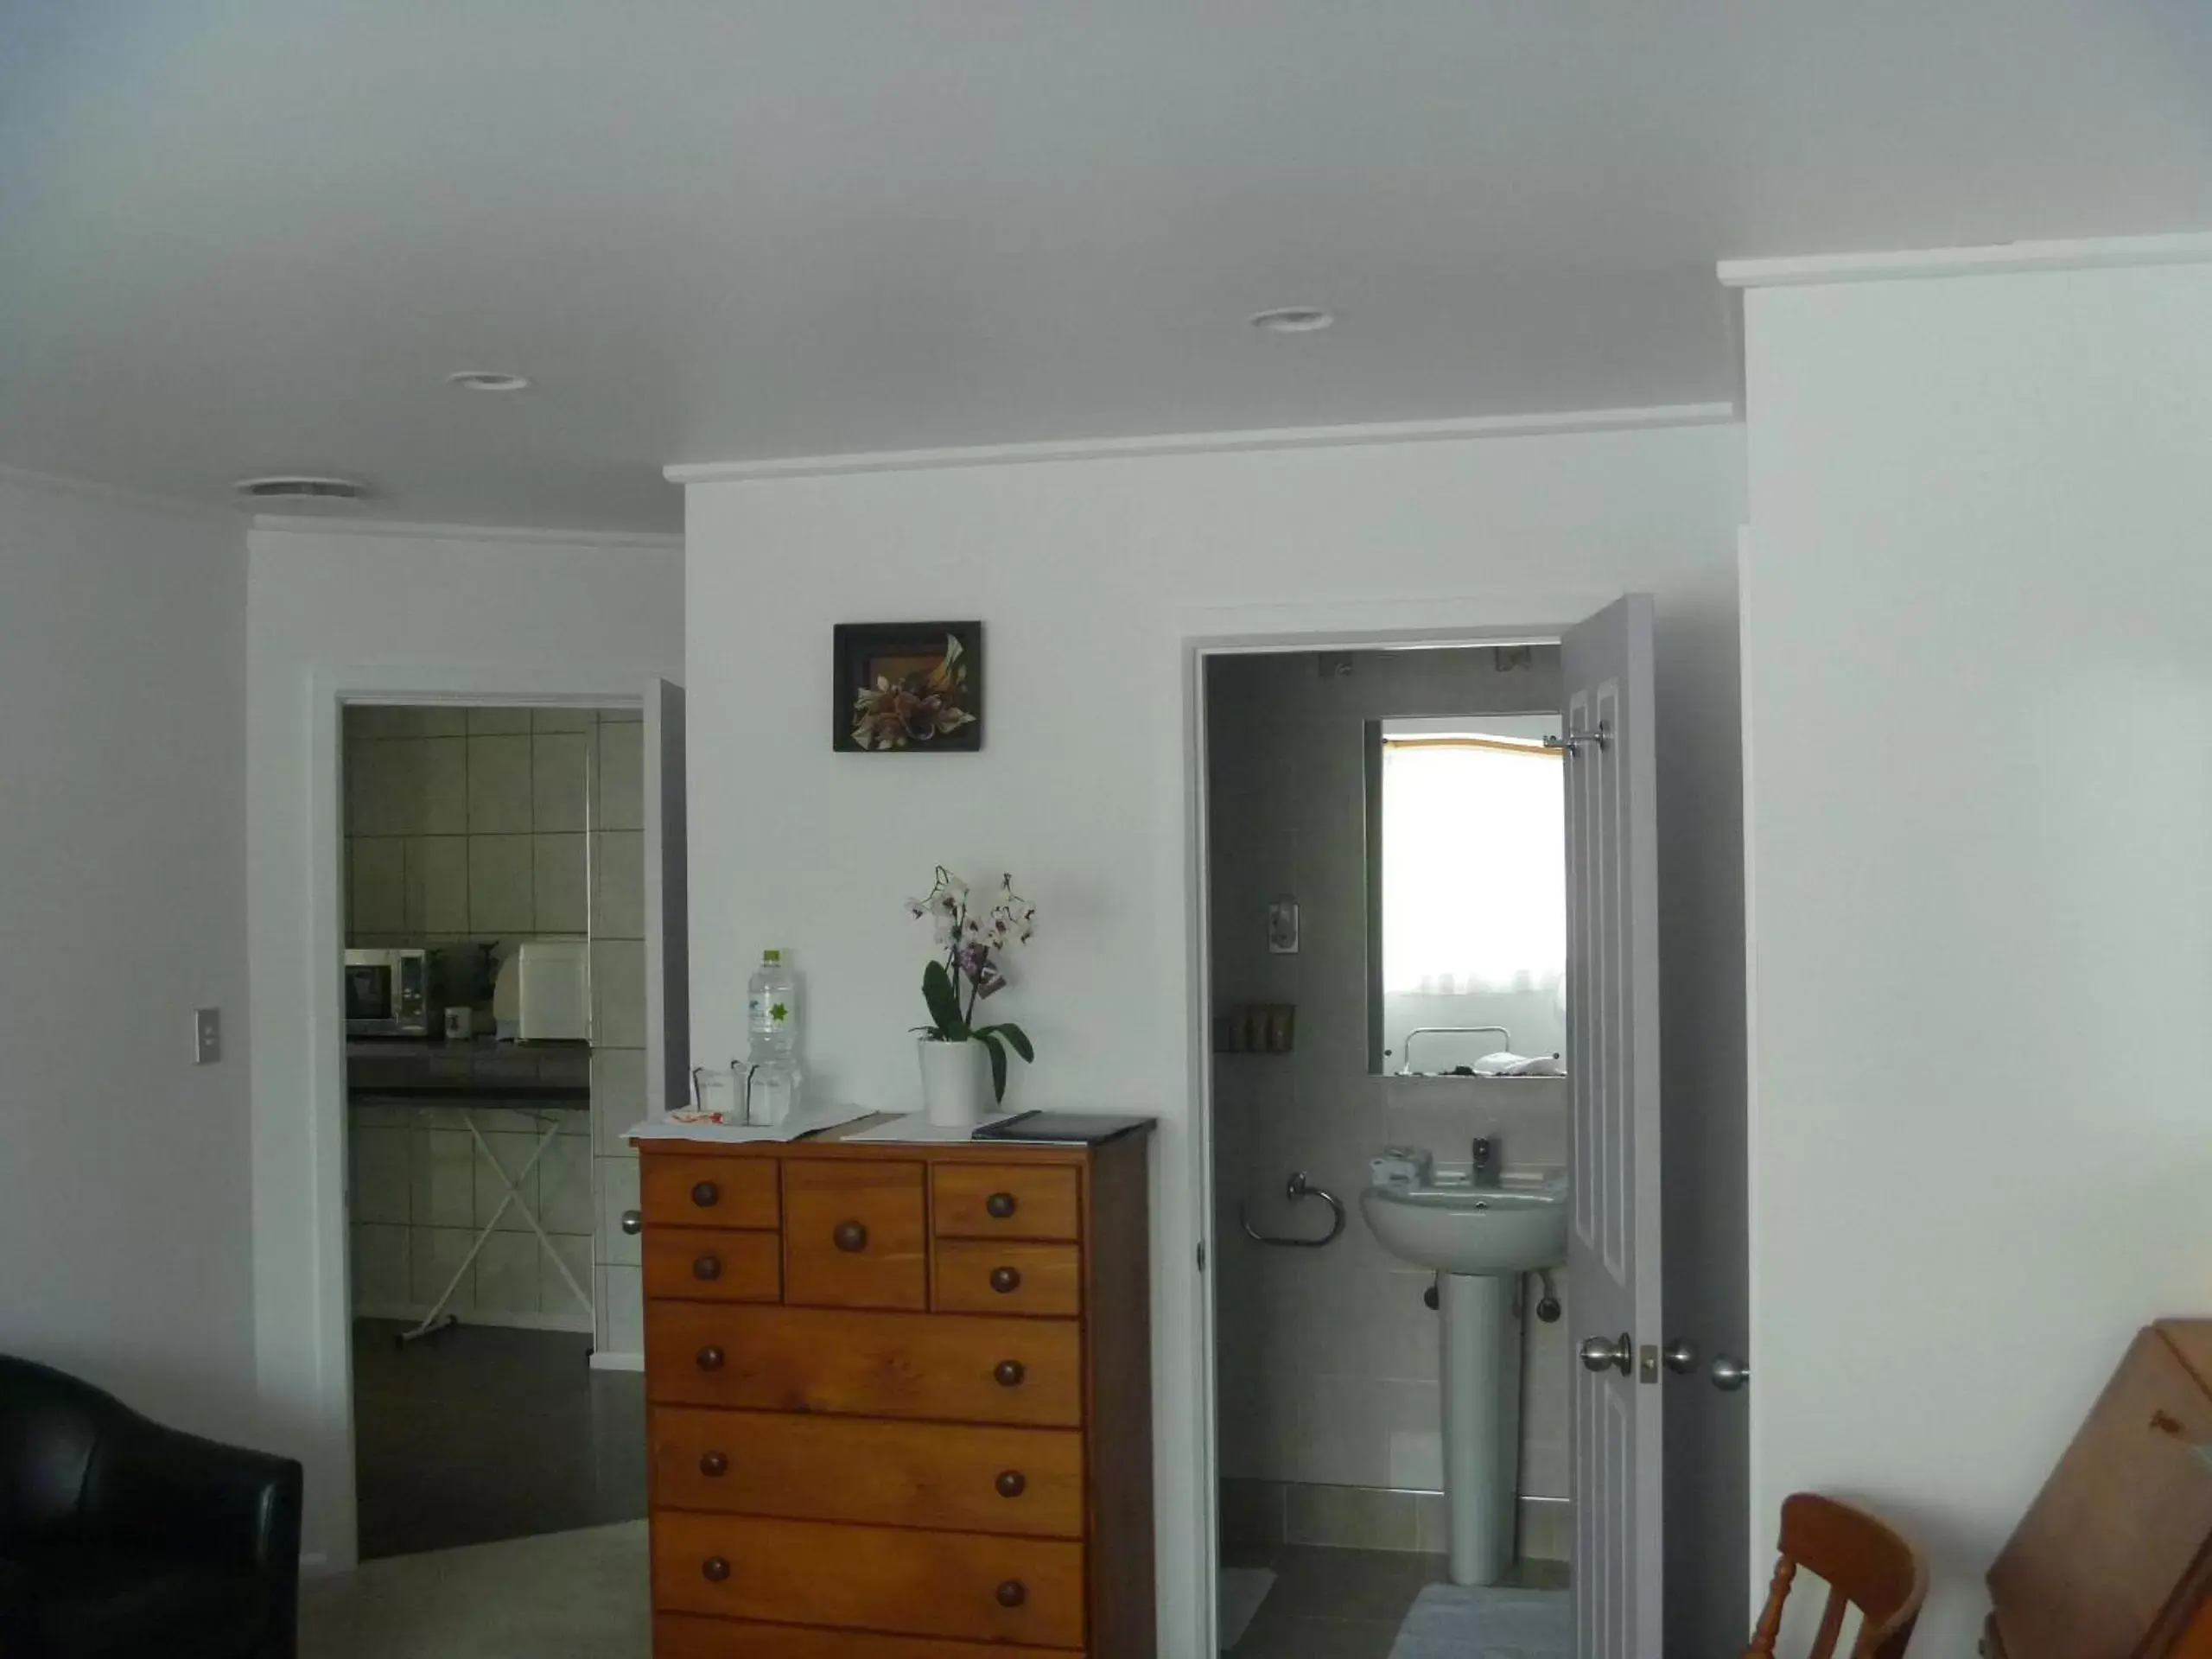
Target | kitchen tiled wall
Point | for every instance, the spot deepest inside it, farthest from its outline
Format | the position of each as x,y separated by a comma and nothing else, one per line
502,824
1328,1358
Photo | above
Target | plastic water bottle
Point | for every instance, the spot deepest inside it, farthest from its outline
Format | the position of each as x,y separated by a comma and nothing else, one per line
772,1082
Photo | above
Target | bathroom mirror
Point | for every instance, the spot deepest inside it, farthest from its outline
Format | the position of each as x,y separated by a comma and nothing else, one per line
1466,915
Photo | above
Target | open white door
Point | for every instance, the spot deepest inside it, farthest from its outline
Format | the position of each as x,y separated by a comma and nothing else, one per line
668,972
1612,1020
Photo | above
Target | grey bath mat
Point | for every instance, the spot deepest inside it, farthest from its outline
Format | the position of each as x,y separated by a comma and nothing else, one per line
1450,1621
1242,1589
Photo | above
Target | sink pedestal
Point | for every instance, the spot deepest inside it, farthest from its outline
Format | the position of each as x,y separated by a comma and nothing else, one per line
1482,1421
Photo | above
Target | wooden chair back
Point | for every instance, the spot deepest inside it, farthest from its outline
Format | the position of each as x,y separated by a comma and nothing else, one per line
1867,1565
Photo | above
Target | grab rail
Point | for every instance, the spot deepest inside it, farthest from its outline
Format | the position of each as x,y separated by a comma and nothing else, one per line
1295,1188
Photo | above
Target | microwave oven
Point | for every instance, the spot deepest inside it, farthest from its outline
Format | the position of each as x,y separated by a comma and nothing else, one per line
387,994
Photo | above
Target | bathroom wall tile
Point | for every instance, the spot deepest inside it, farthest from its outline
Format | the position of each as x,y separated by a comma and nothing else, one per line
367,720
1259,1429
483,723
381,1117
442,1169
437,884
440,721
1547,1532
1348,1517
442,803
621,1310
565,1176
1342,1440
378,1173
629,713
506,1274
1413,1415
619,993
432,1255
511,1153
561,900
380,1274
621,780
501,885
618,1191
498,786
383,787
562,720
619,871
557,780
554,1294
1431,1523
1251,1513
618,1098
376,884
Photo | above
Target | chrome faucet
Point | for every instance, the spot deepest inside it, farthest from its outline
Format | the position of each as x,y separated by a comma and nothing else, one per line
1487,1158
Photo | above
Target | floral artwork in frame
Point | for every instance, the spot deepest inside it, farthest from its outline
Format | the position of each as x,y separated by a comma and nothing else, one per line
908,687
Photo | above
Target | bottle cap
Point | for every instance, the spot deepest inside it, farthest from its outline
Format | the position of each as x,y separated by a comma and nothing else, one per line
772,956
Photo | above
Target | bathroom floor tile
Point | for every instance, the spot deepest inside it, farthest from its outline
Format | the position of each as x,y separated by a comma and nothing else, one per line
1348,1604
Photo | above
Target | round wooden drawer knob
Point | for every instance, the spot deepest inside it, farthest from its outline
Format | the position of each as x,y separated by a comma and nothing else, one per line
1012,1594
707,1267
850,1237
710,1358
1000,1206
714,1466
1009,1373
704,1194
1012,1484
715,1568
1006,1281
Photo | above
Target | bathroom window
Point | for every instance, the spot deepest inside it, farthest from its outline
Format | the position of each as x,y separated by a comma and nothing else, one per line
1468,895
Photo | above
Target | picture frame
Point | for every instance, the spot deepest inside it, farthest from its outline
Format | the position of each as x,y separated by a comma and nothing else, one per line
906,687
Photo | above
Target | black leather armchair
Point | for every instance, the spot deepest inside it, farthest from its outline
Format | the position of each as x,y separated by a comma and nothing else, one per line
120,1538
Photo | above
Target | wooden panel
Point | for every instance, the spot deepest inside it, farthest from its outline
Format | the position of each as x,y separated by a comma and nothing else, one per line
1025,1481
1117,1407
1037,1201
954,1584
2122,1523
688,1189
941,1366
2192,1340
854,1234
1012,1277
714,1264
681,1636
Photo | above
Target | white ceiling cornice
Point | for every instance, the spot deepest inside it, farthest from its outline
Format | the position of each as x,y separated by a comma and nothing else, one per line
120,494
1207,443
395,529
1991,259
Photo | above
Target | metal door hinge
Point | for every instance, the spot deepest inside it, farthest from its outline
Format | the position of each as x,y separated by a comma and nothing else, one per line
1202,1255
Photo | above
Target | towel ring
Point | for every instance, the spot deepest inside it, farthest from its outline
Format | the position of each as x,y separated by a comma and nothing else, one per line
1299,1187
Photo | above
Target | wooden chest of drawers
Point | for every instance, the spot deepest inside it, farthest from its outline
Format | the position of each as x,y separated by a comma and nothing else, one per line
899,1400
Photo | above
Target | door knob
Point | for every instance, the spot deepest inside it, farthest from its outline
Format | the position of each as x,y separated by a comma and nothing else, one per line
631,1221
1729,1373
1599,1354
1681,1357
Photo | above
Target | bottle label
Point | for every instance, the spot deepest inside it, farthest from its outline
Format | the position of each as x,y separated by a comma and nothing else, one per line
770,1012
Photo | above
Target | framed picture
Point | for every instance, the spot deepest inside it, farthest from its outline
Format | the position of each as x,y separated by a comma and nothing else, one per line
908,688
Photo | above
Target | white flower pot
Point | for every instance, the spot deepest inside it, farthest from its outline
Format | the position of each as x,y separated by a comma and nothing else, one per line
955,1082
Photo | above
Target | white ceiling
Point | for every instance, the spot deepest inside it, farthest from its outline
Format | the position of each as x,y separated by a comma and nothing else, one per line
242,236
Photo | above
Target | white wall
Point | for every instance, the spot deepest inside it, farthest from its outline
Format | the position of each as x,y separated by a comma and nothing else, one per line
518,615
124,1183
1087,575
1979,692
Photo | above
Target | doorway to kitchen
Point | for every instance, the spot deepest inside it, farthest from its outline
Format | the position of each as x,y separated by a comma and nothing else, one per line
493,907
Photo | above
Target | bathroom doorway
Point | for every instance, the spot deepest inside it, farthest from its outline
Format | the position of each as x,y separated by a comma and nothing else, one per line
1385,860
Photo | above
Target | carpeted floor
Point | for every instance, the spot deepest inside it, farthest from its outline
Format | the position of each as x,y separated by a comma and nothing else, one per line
565,1595
1449,1621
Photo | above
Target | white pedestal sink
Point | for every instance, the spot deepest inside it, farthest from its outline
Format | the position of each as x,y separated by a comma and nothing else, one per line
1479,1241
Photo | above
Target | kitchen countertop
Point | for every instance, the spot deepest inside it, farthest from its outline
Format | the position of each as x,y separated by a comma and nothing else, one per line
478,1068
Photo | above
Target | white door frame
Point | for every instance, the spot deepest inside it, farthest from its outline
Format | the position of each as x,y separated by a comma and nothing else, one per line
329,691
1186,1457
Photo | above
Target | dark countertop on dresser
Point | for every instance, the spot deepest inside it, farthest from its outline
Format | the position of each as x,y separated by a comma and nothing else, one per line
480,1069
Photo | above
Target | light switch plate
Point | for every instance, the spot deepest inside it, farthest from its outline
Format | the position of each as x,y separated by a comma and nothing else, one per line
206,1036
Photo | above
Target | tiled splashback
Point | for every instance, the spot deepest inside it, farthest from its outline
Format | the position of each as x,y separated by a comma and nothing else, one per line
1328,1358
501,824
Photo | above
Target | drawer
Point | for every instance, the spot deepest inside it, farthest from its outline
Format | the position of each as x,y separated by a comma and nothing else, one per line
693,1192
1014,1277
682,1636
954,1584
1023,1481
854,1235
2121,1522
714,1264
1006,1201
945,1367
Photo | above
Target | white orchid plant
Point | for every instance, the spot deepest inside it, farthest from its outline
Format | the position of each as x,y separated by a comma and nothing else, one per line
973,937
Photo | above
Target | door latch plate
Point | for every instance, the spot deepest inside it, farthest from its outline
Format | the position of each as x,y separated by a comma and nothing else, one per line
1647,1362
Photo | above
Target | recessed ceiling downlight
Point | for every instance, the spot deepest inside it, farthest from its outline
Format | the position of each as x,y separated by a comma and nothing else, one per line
1293,320
298,489
486,380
